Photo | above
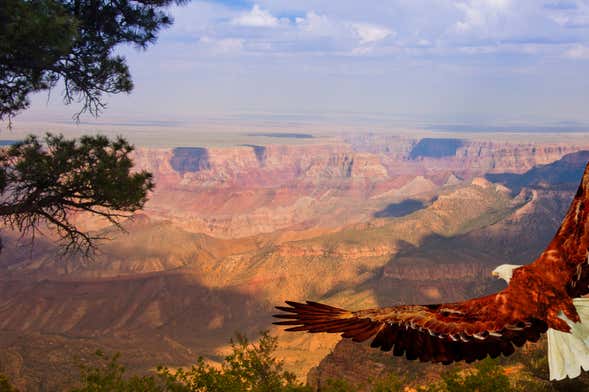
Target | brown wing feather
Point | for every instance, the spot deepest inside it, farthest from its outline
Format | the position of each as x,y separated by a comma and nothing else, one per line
430,333
564,264
572,241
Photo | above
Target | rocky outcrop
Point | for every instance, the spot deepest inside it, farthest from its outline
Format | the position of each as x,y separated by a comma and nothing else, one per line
362,367
260,152
497,157
563,173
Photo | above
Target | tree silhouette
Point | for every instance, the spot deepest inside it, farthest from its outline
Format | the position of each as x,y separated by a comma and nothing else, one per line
44,184
45,41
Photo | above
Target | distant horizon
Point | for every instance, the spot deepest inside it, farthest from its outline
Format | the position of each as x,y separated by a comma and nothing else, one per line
280,120
211,133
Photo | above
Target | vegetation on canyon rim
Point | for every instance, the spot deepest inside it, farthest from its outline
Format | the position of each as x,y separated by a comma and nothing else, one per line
254,367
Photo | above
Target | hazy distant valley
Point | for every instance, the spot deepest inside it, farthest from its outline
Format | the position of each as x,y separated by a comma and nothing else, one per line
232,231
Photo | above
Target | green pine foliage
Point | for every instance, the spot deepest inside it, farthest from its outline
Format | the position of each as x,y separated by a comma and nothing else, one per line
43,183
45,41
33,36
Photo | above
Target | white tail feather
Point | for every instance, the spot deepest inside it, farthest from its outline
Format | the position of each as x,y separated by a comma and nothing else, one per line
569,352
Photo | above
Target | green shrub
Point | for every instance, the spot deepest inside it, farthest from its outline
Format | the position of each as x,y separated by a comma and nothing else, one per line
337,385
249,367
487,377
390,383
107,374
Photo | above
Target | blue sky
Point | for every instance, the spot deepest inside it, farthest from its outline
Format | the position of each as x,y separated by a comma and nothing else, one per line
469,61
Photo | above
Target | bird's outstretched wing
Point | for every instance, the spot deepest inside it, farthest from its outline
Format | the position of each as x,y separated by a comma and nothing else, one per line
473,329
570,245
431,333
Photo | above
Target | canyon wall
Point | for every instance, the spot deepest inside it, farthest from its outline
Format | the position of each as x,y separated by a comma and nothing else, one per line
231,232
250,189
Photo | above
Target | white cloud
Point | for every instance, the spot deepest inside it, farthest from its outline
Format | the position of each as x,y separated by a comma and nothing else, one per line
316,23
339,35
257,17
421,27
480,14
578,52
572,18
498,4
369,33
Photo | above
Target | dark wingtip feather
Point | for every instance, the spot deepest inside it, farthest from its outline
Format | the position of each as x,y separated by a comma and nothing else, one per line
286,309
294,304
323,306
291,322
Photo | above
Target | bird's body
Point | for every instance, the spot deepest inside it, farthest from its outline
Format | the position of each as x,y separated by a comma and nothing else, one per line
542,296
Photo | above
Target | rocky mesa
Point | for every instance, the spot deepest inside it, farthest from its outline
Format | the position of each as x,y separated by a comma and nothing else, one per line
231,232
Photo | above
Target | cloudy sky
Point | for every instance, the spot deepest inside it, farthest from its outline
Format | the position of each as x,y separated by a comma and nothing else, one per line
468,61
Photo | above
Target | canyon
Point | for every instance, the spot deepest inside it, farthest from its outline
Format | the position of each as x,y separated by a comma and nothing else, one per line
230,232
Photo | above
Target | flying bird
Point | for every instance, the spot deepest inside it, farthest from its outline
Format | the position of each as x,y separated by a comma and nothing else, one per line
541,297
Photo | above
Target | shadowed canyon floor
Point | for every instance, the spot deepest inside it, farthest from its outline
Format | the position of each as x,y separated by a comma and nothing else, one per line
231,232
